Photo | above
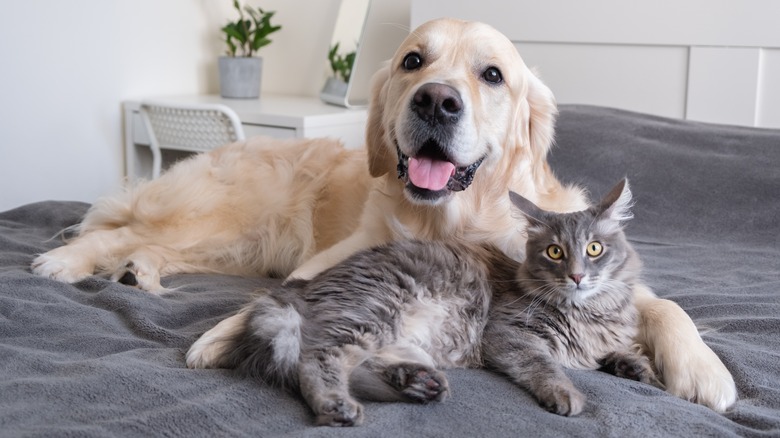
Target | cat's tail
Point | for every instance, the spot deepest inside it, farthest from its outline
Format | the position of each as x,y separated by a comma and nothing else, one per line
271,346
263,340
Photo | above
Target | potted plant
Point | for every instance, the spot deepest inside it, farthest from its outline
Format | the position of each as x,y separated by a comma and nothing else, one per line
335,89
240,72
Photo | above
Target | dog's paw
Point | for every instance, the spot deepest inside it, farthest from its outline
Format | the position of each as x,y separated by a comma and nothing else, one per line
698,375
561,399
58,265
686,365
339,412
420,383
139,275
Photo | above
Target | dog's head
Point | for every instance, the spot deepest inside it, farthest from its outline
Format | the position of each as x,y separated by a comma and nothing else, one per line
456,101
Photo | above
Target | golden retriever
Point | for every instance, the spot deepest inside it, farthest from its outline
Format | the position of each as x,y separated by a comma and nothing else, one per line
455,121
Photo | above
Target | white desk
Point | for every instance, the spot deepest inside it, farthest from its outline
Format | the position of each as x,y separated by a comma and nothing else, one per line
275,116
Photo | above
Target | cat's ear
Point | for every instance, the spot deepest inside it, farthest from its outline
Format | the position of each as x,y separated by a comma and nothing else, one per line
528,208
616,205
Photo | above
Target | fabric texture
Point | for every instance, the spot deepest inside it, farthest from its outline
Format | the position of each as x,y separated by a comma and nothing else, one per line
97,358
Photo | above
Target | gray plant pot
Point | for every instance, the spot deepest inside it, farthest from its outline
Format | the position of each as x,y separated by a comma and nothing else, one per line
239,77
334,91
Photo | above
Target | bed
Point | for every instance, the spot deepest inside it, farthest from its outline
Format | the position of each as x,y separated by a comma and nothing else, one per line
97,358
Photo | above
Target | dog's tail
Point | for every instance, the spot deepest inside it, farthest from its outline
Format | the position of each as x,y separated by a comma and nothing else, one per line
263,341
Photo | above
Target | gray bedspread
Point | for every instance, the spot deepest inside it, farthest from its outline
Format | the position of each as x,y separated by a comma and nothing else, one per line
98,358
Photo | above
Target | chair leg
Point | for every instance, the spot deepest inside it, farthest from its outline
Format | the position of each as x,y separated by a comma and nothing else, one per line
153,144
156,160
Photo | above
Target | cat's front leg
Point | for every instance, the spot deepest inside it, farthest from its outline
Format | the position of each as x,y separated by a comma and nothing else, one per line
559,396
527,362
324,384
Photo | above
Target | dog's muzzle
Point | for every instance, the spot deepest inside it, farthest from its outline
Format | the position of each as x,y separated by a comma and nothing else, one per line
459,180
429,172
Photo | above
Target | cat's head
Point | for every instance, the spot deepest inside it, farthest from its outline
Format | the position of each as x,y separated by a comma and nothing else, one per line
571,257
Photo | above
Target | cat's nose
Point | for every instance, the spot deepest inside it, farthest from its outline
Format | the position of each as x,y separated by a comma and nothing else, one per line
576,277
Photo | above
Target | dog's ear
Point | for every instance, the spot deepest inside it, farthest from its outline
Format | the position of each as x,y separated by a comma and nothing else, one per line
381,159
541,123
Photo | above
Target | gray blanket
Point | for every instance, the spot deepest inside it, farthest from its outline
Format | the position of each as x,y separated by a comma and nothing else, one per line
98,358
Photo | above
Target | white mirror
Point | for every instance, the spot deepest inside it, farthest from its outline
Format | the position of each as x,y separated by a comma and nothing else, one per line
371,30
342,52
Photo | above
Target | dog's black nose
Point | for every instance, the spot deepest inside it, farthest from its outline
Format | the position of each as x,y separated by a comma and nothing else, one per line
437,103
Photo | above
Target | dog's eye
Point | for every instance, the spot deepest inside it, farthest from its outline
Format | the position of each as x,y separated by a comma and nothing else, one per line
412,61
492,75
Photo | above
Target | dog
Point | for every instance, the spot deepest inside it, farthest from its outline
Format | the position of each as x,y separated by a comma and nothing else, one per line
456,120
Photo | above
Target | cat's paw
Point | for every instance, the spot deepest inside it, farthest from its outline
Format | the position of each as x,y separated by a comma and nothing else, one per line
630,366
339,412
420,383
562,399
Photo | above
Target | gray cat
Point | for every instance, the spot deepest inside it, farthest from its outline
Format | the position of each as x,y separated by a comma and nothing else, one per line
383,323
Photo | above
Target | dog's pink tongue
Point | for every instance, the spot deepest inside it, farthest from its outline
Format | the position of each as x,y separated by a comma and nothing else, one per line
430,174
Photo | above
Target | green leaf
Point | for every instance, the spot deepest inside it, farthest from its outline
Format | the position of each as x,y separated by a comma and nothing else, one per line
258,43
341,64
250,34
235,31
254,14
246,29
265,31
231,47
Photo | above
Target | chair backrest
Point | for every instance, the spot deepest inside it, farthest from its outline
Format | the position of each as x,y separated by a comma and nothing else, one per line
188,127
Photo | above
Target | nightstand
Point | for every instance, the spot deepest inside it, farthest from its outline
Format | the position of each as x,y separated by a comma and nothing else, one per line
277,116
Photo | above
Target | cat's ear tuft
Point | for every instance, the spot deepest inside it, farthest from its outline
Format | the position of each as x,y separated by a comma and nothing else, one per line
528,208
617,204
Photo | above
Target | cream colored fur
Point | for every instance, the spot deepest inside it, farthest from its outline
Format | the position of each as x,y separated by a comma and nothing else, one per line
270,207
259,207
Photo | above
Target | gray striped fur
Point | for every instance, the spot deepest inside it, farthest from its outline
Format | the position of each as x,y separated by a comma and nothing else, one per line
382,324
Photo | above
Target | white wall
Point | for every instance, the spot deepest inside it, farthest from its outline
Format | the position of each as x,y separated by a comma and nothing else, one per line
67,66
714,61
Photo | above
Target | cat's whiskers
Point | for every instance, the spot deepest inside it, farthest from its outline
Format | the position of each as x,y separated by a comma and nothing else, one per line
541,296
615,287
522,292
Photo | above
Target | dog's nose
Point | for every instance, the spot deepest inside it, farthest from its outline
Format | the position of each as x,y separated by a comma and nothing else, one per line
437,103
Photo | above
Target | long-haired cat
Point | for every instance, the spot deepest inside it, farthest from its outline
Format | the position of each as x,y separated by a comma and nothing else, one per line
383,323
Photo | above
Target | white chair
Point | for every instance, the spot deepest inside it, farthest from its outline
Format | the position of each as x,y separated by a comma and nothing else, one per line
188,127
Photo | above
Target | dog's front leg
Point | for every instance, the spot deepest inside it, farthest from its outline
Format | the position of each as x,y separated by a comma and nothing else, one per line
690,369
358,241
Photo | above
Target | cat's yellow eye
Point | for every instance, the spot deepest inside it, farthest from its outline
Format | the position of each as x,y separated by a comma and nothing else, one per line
555,252
594,249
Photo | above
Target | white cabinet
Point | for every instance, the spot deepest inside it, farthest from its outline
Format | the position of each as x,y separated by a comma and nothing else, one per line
275,116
